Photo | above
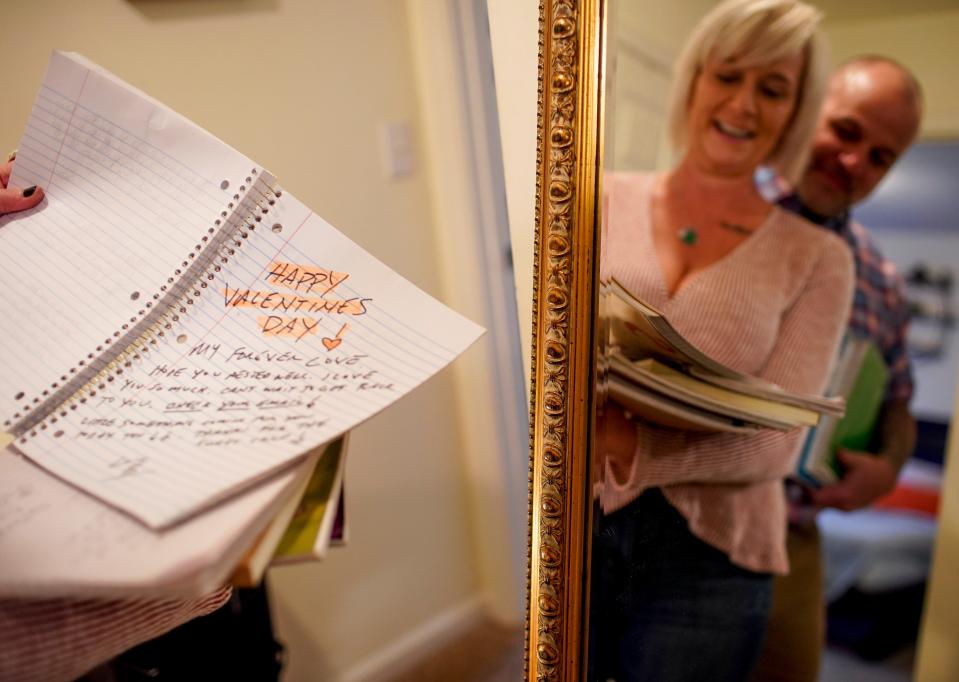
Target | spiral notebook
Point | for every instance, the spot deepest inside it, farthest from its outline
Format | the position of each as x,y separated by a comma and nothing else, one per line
177,326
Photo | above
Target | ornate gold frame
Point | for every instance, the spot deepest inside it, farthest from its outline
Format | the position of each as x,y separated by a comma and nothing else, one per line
569,153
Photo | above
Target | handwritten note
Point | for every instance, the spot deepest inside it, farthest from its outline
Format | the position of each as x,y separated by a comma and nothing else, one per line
223,338
295,315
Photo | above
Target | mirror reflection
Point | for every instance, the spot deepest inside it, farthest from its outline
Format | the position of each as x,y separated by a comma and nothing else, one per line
742,201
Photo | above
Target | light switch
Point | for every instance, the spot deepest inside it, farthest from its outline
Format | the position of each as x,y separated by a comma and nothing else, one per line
396,148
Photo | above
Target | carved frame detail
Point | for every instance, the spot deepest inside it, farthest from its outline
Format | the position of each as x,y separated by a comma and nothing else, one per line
564,314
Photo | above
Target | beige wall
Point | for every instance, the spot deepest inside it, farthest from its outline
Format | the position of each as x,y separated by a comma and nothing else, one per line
301,86
924,42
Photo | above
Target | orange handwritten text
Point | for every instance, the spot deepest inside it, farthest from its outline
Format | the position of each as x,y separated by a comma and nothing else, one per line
275,301
293,327
304,278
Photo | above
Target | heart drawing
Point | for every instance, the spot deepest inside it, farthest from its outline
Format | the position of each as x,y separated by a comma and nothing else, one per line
336,340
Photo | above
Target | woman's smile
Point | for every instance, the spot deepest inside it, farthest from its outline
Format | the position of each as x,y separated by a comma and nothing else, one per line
738,113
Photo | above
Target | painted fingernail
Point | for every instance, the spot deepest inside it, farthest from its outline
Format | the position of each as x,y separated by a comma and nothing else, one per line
28,192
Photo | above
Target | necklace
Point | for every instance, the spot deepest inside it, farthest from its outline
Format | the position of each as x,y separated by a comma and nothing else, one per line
689,235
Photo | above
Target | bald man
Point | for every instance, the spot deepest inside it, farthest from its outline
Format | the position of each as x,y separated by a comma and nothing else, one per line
870,117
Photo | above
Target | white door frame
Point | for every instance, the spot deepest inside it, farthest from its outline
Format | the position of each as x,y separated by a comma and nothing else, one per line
461,141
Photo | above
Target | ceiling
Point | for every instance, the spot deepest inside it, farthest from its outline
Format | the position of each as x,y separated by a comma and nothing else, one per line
846,10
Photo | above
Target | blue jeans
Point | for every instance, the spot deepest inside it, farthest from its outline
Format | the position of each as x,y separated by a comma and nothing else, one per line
668,607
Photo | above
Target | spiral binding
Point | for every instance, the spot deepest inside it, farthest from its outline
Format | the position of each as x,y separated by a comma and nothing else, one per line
131,341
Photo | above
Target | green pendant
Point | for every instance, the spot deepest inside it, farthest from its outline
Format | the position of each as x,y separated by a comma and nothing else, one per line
687,236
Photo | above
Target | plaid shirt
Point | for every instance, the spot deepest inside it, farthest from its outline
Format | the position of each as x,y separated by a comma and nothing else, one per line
879,310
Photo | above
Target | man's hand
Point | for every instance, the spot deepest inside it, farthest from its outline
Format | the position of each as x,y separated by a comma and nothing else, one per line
13,199
866,478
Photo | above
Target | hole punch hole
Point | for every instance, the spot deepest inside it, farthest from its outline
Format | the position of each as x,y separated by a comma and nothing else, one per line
225,184
181,338
18,396
135,295
277,228
58,434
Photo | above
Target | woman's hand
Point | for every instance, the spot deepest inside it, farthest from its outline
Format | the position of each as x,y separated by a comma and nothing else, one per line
13,199
619,440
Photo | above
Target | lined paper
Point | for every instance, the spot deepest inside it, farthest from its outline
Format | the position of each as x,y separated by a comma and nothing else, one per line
130,187
57,541
295,336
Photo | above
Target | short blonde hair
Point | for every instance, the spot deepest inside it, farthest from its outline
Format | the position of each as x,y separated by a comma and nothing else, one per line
758,32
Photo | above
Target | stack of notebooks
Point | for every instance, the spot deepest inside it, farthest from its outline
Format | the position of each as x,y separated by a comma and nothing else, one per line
661,377
307,525
186,347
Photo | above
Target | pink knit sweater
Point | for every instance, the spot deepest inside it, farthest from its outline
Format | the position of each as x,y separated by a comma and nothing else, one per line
774,307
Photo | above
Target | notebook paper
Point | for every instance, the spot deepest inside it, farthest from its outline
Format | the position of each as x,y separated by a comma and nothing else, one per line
129,187
290,337
57,541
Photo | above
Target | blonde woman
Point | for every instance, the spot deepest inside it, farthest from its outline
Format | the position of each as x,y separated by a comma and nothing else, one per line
693,524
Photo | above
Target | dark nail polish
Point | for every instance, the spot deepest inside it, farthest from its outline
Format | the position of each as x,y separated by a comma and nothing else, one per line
28,192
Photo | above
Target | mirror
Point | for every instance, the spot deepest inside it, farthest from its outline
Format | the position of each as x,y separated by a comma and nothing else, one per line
605,75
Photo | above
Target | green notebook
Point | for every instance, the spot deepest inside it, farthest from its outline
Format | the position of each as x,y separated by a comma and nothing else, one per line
860,377
308,532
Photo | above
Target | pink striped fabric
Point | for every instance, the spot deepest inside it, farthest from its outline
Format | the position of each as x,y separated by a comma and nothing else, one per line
774,307
61,639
